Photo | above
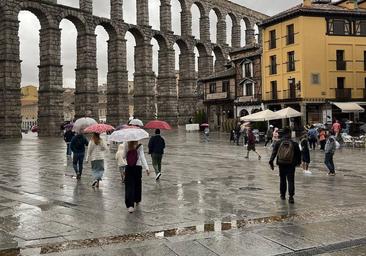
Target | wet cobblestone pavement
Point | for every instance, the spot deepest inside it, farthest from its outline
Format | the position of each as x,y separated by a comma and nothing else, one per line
209,201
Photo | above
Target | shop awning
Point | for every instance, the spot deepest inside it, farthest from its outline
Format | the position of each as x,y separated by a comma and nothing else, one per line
349,107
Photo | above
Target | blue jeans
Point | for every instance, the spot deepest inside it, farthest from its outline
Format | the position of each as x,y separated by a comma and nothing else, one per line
329,162
68,149
78,162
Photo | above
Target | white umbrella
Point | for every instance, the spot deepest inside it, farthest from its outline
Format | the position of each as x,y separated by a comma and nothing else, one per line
265,115
129,134
136,122
288,113
83,123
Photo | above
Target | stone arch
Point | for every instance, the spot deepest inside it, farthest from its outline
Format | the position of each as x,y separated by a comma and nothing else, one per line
109,28
220,59
232,30
205,60
137,34
42,15
249,31
201,7
162,41
76,19
243,112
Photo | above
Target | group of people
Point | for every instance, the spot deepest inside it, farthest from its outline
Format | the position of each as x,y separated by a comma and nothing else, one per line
130,159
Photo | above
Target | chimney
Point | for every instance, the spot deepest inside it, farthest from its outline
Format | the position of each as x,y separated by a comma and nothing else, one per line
307,3
351,4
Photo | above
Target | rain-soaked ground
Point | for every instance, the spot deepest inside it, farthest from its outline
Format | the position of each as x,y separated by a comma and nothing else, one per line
209,201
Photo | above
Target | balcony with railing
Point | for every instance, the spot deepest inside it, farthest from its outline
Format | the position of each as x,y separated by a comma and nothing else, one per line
291,94
272,95
343,94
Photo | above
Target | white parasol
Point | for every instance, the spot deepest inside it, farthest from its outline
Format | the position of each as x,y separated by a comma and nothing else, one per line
136,122
129,134
265,115
83,123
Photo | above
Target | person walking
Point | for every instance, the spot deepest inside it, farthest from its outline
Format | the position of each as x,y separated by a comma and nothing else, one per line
77,145
269,135
68,135
156,150
287,153
237,132
244,134
336,128
251,144
121,162
136,161
330,148
305,154
322,139
313,137
275,136
95,154
206,133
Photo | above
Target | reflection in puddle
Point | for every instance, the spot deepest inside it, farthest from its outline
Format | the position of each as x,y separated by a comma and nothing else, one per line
216,226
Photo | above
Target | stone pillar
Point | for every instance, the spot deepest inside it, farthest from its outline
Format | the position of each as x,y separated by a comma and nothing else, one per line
142,8
10,78
205,29
86,93
221,31
249,36
165,16
116,9
220,64
186,22
260,36
205,66
145,80
236,36
186,85
50,93
117,82
86,5
167,87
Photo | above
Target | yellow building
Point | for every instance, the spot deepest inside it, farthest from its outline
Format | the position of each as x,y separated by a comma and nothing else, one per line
29,106
314,56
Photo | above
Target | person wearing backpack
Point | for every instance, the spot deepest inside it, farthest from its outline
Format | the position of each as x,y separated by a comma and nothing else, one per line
135,159
288,157
330,148
95,154
156,150
251,144
313,137
77,145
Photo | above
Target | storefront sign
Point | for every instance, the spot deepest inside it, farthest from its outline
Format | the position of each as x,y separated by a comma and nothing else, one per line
216,96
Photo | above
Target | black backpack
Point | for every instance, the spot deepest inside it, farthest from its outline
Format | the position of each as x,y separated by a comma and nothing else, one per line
286,152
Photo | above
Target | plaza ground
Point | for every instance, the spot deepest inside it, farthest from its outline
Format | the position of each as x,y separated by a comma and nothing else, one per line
209,201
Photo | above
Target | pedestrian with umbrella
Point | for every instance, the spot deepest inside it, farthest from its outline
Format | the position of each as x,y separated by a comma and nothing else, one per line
77,146
206,131
134,156
157,145
96,150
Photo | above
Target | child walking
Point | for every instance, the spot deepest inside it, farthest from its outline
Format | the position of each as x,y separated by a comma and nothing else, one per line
95,154
305,154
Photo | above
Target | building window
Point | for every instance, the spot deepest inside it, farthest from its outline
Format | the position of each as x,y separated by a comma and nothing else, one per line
341,63
290,61
290,34
273,65
213,87
340,82
360,27
225,85
272,39
315,78
248,69
339,27
248,89
274,90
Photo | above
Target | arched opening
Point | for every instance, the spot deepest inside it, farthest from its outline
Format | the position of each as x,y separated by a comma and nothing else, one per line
176,17
29,48
155,68
102,8
243,112
154,14
68,62
214,18
196,15
71,3
243,28
229,29
129,11
219,59
102,65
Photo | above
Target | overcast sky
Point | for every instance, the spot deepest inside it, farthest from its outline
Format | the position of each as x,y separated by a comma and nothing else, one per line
29,37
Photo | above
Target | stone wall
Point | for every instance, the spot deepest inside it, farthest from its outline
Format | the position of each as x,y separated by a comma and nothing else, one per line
50,14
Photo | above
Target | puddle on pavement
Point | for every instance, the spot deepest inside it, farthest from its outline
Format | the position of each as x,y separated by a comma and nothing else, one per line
250,188
215,226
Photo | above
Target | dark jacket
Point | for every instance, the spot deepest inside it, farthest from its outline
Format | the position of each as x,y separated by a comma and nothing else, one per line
156,145
78,144
297,154
68,135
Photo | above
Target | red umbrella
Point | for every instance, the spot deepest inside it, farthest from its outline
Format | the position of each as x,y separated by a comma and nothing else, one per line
99,128
157,124
34,128
205,125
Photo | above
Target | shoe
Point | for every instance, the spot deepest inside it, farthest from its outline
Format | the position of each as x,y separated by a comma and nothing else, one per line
307,172
158,176
259,157
94,183
78,176
246,157
291,200
131,209
332,174
97,185
283,197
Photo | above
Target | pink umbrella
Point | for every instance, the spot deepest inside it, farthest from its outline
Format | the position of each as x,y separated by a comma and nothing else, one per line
157,124
205,125
99,128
